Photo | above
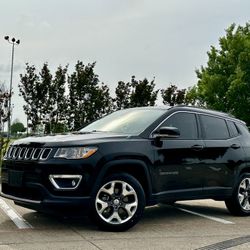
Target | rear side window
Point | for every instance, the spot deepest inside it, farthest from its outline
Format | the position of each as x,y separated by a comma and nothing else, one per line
186,123
232,129
214,128
242,128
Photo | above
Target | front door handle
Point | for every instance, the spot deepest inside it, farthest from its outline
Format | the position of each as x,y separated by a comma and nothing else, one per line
235,146
197,147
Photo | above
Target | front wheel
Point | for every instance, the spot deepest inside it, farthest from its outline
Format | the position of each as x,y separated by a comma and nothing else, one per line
118,203
239,203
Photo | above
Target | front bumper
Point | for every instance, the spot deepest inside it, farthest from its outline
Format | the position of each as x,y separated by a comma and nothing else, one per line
28,185
45,201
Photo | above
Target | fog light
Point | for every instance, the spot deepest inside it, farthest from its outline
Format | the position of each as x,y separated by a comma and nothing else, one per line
65,182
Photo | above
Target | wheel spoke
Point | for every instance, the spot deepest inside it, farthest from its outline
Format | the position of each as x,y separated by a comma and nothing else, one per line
241,198
130,208
103,204
245,203
243,185
126,190
247,183
115,216
110,190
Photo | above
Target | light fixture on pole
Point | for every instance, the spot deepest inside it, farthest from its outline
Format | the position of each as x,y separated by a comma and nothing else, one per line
13,42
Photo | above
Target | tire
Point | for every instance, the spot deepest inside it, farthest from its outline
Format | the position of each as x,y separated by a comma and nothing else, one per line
239,203
118,203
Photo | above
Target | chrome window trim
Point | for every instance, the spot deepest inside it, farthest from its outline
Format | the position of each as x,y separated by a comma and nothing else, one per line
176,112
193,112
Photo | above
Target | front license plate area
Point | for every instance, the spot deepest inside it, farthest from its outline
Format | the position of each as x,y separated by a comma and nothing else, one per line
15,178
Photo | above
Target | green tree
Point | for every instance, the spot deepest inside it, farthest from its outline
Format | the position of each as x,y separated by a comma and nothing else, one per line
173,96
192,97
224,83
4,115
4,106
87,99
31,95
56,111
143,93
46,102
16,127
123,93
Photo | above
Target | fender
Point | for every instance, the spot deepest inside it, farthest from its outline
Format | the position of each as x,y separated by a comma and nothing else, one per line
106,167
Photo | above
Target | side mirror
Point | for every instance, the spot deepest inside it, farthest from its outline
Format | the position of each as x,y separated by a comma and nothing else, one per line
167,132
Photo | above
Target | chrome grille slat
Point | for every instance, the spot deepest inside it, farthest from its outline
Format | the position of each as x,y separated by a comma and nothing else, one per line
27,153
36,153
22,153
45,153
15,154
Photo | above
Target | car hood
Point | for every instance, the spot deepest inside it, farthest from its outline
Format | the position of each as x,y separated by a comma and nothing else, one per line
69,139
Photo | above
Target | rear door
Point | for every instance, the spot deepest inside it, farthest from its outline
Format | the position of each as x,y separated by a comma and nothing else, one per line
222,155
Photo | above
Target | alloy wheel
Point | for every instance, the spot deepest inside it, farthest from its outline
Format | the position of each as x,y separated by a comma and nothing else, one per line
244,194
116,202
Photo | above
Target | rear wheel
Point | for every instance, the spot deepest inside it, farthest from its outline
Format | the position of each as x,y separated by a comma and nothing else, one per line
118,203
239,203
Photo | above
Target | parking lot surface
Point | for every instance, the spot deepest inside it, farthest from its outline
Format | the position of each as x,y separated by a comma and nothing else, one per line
204,224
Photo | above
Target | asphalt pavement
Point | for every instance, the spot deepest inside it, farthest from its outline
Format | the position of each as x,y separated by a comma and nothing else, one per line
202,224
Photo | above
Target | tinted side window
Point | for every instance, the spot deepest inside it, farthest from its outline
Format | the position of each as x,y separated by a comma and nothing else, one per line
214,128
243,129
185,122
232,129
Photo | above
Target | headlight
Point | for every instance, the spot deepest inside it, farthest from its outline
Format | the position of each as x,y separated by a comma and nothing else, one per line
75,152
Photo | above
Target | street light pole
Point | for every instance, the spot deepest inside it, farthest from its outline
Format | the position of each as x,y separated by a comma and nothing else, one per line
13,42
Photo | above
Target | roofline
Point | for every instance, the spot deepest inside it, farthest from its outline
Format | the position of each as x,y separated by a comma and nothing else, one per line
210,111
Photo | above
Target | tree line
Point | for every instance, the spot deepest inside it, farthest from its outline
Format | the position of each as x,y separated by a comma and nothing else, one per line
67,101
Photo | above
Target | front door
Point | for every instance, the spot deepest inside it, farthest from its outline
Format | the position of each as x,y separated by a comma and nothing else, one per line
178,161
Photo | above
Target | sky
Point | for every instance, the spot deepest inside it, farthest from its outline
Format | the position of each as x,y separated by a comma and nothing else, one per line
165,39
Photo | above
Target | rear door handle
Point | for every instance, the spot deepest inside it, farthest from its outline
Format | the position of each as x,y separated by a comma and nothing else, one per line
197,147
235,146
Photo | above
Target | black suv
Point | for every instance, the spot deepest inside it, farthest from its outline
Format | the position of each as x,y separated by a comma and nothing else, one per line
130,159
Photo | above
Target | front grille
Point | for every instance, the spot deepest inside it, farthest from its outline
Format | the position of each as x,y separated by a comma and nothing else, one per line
27,153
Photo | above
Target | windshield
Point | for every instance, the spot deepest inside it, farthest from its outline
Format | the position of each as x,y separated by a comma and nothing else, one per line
127,121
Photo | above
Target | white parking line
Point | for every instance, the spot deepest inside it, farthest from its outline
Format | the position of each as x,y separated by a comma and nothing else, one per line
20,222
206,216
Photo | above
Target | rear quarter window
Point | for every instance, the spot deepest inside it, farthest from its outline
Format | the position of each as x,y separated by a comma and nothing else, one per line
234,132
242,128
